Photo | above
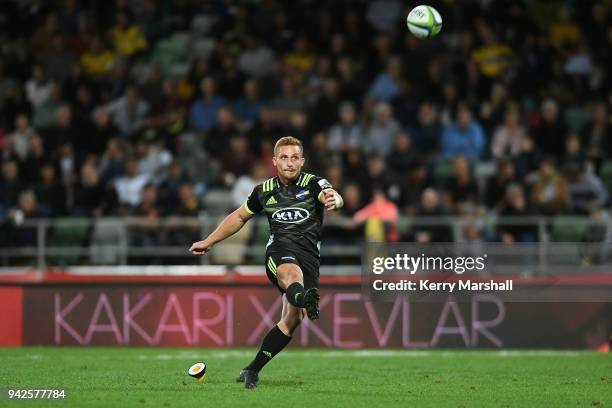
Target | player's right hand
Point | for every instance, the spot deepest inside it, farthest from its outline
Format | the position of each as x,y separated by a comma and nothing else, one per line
200,248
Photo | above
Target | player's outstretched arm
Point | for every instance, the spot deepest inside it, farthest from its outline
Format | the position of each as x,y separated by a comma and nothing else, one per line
229,226
331,199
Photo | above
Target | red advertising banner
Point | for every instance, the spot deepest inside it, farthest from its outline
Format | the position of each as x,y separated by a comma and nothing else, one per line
11,316
224,315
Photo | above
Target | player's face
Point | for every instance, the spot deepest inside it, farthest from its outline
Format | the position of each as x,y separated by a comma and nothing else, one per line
288,161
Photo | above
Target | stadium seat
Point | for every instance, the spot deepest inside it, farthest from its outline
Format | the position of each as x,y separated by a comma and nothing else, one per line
569,229
443,174
576,117
107,241
605,173
202,48
69,233
232,250
170,51
218,202
201,25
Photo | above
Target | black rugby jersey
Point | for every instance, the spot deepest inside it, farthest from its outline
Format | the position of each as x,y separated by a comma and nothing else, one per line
294,211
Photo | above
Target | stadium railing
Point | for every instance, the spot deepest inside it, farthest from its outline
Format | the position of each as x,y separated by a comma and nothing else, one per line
43,243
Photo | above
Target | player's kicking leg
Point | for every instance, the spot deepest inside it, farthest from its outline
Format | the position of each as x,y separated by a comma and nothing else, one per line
296,303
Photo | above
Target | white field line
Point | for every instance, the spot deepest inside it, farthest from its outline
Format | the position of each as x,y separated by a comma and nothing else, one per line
223,354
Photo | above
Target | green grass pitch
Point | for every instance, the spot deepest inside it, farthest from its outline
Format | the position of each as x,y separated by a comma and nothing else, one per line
156,377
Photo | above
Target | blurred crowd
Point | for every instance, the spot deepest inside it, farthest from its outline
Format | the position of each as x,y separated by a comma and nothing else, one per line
146,108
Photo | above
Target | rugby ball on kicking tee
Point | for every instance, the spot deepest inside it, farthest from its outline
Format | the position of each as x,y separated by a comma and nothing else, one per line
198,371
424,22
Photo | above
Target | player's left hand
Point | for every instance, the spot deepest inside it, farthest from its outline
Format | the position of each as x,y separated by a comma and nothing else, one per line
330,200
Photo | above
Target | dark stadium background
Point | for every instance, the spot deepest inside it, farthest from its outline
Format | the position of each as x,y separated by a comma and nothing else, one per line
128,129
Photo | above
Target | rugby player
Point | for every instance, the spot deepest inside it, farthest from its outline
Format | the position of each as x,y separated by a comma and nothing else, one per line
294,202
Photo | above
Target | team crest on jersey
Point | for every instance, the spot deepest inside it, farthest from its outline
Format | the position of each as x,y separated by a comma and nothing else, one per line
302,195
290,215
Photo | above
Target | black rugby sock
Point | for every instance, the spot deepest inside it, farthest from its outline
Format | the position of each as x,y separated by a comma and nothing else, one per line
295,294
272,344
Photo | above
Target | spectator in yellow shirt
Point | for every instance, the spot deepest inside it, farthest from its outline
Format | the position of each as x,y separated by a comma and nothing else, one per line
299,62
97,61
127,37
564,31
492,57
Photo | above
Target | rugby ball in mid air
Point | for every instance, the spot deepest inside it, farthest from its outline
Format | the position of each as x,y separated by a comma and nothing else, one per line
424,22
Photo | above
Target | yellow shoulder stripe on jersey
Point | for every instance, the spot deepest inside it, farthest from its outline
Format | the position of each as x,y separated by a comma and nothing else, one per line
268,185
246,207
306,179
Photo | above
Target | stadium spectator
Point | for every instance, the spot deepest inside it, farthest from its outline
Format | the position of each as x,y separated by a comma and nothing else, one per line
464,191
289,99
50,193
248,106
203,113
587,193
45,115
299,126
508,138
169,187
380,208
515,206
402,158
528,159
381,133
574,154
549,135
231,80
189,205
324,111
155,158
89,86
256,59
493,109
237,161
102,130
431,206
347,132
130,186
378,177
58,60
596,136
147,234
17,143
91,197
126,36
549,193
383,14
427,132
64,131
111,162
246,182
39,87
498,183
465,138
386,85
37,157
564,32
128,111
10,185
217,139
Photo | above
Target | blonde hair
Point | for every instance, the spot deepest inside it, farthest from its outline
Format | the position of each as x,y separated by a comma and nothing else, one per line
288,141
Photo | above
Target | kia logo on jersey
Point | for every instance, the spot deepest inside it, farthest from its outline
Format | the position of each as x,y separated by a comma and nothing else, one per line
290,215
